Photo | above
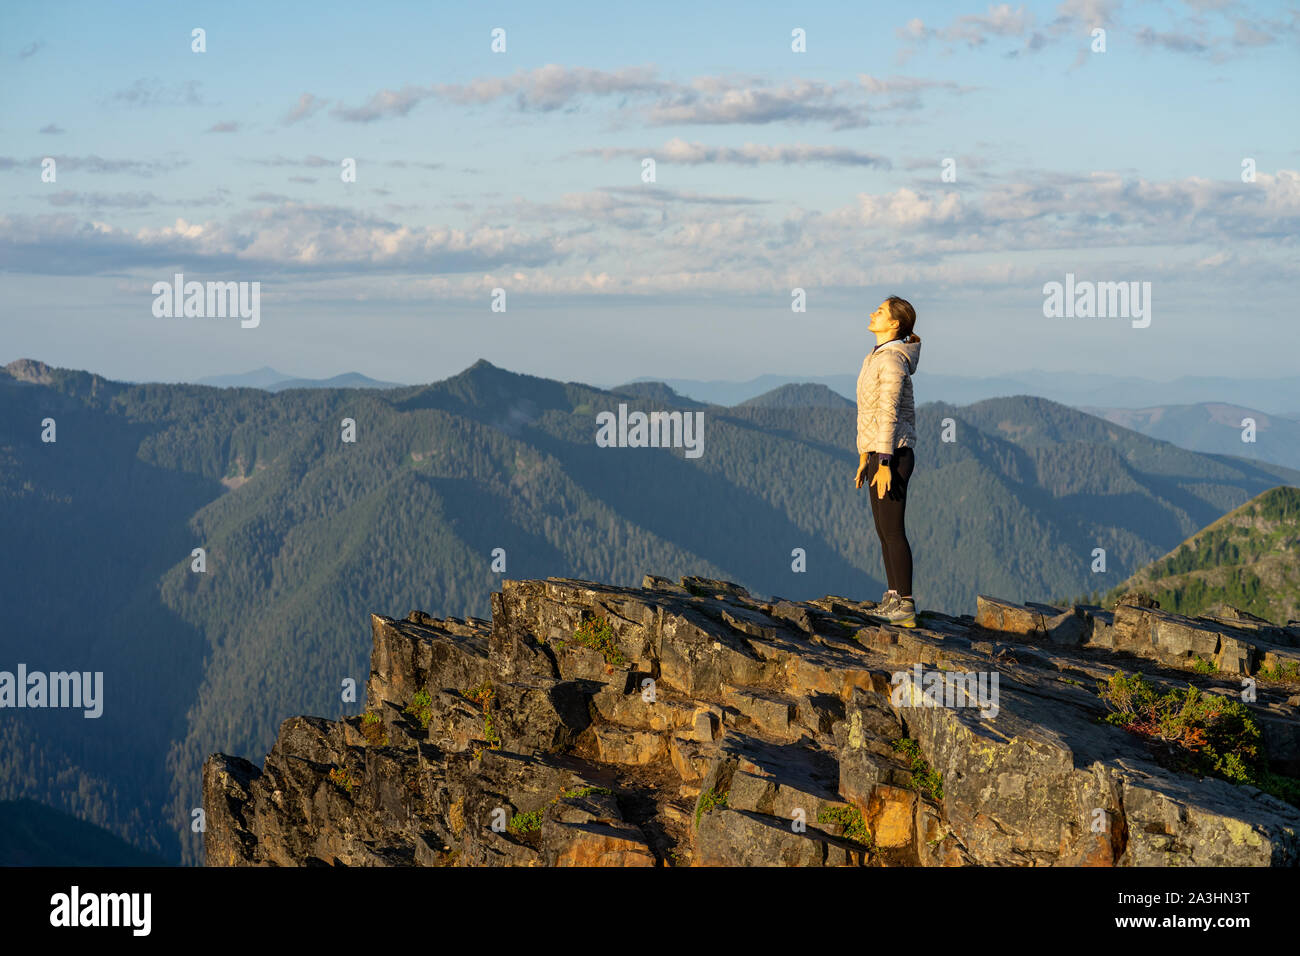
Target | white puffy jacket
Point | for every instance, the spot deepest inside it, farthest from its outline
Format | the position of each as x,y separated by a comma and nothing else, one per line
886,412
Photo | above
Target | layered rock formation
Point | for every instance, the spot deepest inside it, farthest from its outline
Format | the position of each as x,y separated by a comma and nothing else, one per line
694,723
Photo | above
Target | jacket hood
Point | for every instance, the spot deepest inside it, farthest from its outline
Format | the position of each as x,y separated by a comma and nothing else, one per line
910,347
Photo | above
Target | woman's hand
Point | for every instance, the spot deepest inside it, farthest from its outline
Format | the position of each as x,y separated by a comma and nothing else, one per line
881,480
861,476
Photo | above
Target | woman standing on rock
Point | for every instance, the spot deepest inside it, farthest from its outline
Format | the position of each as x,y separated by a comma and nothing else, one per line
886,438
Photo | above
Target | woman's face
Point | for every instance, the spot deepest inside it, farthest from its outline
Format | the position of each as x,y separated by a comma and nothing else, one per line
881,320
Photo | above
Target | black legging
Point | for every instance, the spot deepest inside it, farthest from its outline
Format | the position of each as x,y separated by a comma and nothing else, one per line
889,512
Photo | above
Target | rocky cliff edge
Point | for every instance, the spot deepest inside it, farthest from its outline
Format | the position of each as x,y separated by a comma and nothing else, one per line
696,724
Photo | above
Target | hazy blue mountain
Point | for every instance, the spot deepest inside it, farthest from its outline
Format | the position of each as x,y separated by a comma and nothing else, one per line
1276,396
263,377
272,380
346,380
1214,427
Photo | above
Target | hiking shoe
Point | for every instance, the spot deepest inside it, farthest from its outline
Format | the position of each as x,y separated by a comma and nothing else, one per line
901,613
886,601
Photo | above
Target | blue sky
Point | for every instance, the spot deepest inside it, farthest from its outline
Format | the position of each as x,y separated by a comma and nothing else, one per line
774,170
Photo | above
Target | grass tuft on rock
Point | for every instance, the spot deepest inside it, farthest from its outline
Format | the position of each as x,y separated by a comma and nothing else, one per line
850,819
709,800
597,634
925,780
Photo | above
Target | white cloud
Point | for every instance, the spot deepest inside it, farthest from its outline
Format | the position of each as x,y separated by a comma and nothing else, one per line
307,106
678,150
651,240
702,100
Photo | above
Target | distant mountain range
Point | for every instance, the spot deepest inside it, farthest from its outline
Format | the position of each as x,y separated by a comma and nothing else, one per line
304,534
1140,399
273,381
1214,427
1277,396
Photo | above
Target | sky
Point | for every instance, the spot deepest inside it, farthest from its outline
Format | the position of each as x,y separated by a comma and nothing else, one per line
1163,150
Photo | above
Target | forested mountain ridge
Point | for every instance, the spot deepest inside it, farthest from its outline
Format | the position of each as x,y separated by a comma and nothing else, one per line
33,834
1248,559
305,534
797,396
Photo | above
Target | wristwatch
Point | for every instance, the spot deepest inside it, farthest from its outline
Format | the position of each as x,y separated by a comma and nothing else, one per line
885,459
